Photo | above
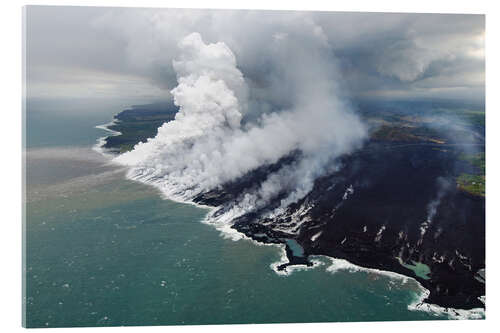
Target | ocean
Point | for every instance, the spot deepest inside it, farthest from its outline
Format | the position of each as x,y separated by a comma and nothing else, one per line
102,250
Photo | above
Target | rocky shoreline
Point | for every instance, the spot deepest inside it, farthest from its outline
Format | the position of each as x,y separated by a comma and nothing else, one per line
371,213
390,206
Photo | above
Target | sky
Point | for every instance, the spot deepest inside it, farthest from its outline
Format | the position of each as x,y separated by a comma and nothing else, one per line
126,54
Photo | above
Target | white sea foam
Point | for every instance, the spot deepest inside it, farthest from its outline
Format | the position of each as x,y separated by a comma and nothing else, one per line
99,146
418,304
316,262
344,265
206,145
223,224
436,310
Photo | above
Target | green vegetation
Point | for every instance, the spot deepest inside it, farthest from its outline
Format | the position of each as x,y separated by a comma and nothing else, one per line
473,183
437,121
133,132
434,122
138,125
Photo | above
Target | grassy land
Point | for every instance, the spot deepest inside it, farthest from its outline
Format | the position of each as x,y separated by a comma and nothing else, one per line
137,125
430,122
473,183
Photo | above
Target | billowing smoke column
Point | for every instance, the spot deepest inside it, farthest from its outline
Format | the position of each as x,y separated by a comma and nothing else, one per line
207,145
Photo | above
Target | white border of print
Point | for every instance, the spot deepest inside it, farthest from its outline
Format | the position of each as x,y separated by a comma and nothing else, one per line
11,61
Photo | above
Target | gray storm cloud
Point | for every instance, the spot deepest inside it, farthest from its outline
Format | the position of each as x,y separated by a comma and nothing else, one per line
207,145
127,53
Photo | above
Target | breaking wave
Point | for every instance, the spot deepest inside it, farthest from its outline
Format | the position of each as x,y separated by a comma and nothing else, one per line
99,146
208,145
422,293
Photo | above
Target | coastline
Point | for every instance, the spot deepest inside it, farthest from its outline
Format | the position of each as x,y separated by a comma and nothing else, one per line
99,146
227,231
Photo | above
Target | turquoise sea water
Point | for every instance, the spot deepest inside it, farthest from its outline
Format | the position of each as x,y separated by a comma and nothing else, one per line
105,251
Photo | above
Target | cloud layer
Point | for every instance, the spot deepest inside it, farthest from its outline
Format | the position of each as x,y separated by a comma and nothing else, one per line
116,52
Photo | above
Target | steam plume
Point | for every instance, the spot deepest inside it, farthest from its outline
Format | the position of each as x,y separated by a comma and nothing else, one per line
207,145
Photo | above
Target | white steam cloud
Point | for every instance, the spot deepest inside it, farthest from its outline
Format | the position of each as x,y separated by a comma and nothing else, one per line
207,145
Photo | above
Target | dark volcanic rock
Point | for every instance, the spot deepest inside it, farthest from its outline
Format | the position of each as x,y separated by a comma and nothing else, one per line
390,205
393,197
387,205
